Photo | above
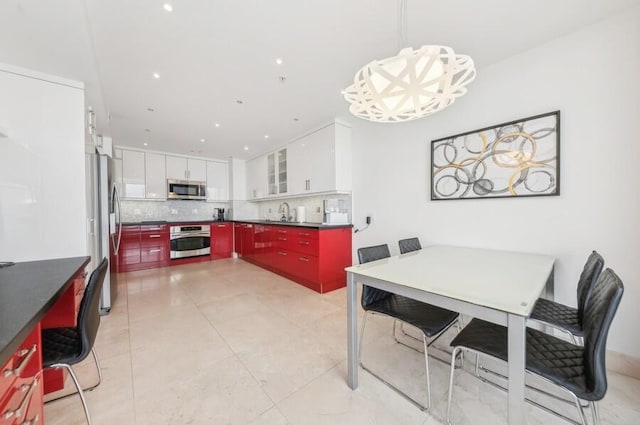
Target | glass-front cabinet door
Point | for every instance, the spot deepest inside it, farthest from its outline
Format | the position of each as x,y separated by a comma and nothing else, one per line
271,174
282,171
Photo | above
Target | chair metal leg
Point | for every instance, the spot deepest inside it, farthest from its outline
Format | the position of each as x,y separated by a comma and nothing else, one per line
453,369
77,384
426,368
95,358
583,419
595,412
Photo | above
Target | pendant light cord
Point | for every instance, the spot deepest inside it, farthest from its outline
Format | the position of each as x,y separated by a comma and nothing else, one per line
402,24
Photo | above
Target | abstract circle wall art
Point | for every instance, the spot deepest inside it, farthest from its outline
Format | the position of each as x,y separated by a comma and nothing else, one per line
515,159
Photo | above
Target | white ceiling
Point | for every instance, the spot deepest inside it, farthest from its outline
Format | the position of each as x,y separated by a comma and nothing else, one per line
211,53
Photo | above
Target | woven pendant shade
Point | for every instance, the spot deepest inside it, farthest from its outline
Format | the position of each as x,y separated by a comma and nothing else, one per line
411,85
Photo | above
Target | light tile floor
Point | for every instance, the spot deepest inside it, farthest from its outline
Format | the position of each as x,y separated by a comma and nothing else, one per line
226,342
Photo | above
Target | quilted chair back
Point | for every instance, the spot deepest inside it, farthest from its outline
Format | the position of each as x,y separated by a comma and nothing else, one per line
365,255
409,245
588,278
599,312
89,313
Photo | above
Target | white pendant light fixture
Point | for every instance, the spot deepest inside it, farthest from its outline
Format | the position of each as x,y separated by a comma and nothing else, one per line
410,85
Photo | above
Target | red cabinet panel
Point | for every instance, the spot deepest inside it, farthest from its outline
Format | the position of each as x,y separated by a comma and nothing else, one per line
144,247
221,240
314,258
20,383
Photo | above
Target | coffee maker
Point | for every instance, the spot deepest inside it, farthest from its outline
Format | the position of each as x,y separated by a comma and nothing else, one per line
218,215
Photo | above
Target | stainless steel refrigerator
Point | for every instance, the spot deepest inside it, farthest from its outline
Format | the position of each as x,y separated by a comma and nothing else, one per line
107,224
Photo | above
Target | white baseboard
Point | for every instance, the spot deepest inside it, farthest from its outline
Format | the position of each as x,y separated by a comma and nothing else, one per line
623,364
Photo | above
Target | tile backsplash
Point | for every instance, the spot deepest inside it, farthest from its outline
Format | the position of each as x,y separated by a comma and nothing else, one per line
133,211
268,210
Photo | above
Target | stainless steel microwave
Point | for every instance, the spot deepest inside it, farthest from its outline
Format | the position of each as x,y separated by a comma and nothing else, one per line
186,189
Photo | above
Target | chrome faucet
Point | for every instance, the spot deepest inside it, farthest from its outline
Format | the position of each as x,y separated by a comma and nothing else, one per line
285,217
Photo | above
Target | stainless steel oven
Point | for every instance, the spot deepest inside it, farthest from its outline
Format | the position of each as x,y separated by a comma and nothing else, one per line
190,241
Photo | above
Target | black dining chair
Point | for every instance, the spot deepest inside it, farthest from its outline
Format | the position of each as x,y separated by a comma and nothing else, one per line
579,370
432,321
64,347
564,318
409,245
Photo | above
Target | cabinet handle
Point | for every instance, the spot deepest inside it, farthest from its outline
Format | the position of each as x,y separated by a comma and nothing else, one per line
25,401
304,242
282,239
32,421
306,260
152,251
282,253
282,231
303,234
154,236
222,225
307,184
26,354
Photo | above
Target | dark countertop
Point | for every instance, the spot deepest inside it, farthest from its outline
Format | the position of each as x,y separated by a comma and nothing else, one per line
27,291
318,226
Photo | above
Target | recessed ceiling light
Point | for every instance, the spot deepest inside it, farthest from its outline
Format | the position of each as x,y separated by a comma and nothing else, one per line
168,7
342,92
239,102
296,119
146,144
217,124
246,148
282,78
266,136
156,75
147,130
279,61
201,140
150,109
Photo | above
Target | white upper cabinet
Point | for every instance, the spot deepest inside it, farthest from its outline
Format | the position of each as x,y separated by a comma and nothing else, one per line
321,161
217,181
181,168
257,178
197,169
133,174
155,176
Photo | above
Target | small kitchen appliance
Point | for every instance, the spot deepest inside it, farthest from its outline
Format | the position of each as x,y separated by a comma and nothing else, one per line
218,214
335,212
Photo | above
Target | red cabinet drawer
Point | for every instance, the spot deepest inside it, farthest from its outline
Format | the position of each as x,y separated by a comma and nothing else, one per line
153,239
16,377
154,254
306,233
154,228
17,405
305,266
304,245
130,231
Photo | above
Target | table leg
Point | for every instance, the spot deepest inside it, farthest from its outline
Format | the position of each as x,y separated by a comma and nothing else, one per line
352,332
517,347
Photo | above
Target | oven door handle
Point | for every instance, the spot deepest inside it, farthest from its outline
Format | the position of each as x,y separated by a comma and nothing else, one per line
190,235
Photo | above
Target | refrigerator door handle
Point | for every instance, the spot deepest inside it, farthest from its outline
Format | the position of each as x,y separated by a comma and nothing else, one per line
116,201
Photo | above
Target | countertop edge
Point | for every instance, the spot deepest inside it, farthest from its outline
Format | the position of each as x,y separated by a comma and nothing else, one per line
318,226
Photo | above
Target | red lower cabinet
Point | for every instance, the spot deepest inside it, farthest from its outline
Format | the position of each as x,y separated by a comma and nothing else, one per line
221,240
143,247
315,258
21,383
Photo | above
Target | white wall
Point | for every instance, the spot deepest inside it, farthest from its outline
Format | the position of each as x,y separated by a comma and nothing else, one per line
42,167
591,76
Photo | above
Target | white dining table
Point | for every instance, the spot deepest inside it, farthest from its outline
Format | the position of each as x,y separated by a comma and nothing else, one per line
497,286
